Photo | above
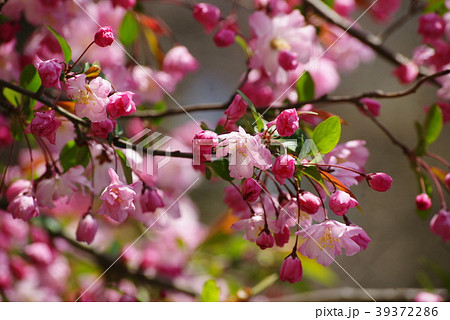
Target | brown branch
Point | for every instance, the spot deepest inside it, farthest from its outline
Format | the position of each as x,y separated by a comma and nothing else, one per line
356,295
120,269
322,100
117,141
369,39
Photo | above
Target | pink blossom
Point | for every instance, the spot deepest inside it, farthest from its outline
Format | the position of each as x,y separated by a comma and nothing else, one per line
127,4
44,125
8,31
379,181
118,198
179,61
64,185
207,15
246,152
325,75
427,297
151,200
287,122
24,207
309,202
87,228
288,60
326,240
341,202
17,188
362,239
224,37
237,109
440,224
265,240
271,35
423,202
284,168
149,82
406,73
121,104
40,253
251,190
373,106
91,99
291,269
203,144
253,226
353,151
431,26
104,37
49,72
282,237
100,129
233,199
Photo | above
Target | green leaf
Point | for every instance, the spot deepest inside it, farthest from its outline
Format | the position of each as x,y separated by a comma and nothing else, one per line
256,115
29,78
305,87
243,44
72,155
313,173
125,166
327,134
129,29
12,96
433,124
210,292
220,167
329,3
67,52
421,145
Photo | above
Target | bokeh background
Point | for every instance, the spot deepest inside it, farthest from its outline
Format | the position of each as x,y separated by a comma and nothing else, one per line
403,251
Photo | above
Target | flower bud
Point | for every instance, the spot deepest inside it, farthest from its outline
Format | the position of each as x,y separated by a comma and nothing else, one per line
379,181
431,26
265,240
121,104
127,4
87,229
287,122
207,15
237,109
406,73
288,60
447,180
44,125
17,188
341,202
203,145
104,37
100,129
284,168
224,38
39,253
251,190
23,207
423,202
49,71
5,133
373,106
309,202
291,270
440,225
151,200
8,30
282,237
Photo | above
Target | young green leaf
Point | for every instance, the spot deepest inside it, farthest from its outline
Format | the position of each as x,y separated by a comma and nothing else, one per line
125,166
210,292
305,87
29,78
129,29
256,115
72,155
433,124
67,52
220,167
327,134
12,96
